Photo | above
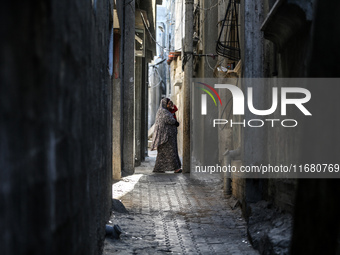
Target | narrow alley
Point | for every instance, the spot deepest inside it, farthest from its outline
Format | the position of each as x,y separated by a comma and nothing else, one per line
170,127
175,214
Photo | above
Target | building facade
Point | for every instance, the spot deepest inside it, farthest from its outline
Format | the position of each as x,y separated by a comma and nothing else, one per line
274,39
134,36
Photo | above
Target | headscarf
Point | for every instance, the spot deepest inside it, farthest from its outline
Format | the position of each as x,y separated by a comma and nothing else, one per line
164,125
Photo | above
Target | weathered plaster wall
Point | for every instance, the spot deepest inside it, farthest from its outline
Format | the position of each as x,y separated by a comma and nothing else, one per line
263,58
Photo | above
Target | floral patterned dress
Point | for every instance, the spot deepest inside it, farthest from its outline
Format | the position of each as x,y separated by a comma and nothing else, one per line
165,140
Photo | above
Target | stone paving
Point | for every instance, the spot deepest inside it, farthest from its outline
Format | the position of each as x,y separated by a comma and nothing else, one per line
175,214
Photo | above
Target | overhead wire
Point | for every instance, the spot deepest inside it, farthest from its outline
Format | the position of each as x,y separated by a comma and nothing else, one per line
159,76
182,16
204,16
145,25
206,57
207,9
211,7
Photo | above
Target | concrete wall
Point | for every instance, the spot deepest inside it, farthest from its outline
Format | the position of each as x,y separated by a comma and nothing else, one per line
55,126
286,59
177,97
317,201
260,58
299,40
265,58
178,17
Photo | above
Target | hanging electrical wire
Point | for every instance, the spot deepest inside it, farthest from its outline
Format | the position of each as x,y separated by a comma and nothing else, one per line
159,83
158,63
206,57
155,71
197,6
146,27
211,7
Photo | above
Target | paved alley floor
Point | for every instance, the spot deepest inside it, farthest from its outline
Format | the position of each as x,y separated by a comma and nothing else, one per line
174,214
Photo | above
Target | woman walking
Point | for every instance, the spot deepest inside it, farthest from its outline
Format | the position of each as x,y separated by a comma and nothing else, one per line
165,140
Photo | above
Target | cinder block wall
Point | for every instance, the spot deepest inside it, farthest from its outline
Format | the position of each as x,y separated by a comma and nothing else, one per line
55,122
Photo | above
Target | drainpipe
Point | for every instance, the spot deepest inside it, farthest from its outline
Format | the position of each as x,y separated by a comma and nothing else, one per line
230,154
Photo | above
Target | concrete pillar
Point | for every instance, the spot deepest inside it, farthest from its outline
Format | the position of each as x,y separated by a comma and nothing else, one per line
144,111
188,51
116,113
128,79
252,39
209,32
138,108
253,138
116,131
155,94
